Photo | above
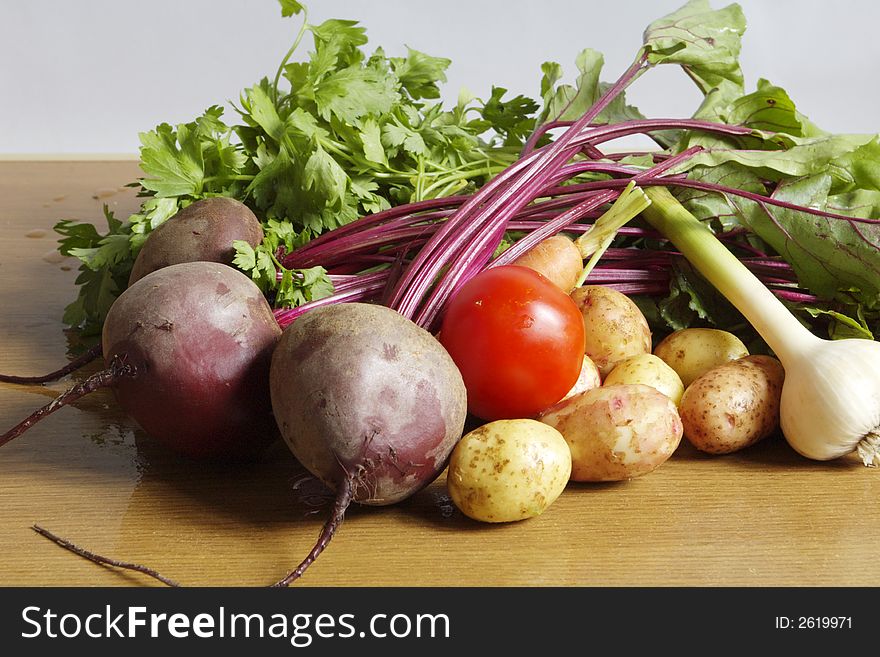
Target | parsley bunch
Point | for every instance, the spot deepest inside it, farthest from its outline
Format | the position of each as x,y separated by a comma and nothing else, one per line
338,135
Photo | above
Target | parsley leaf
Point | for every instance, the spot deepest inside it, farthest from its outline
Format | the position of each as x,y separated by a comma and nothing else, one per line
513,118
340,133
290,7
419,73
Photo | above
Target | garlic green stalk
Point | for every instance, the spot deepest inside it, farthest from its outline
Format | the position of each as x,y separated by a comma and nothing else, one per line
595,242
830,403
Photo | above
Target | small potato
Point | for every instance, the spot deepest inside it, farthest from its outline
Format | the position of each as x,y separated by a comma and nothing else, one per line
614,326
508,470
587,380
648,370
617,432
557,258
692,352
733,405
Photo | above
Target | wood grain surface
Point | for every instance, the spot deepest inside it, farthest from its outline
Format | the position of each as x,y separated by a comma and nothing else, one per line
763,517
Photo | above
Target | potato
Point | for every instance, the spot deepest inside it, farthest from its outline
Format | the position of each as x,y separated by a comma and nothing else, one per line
614,326
617,432
648,370
733,405
557,258
692,352
508,470
587,380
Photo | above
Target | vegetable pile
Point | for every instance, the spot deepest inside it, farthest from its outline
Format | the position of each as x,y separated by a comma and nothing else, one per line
498,266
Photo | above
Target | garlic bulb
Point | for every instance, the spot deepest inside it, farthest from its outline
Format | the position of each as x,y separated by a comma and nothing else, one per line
831,400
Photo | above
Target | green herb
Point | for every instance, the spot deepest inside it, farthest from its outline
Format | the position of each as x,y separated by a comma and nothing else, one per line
339,134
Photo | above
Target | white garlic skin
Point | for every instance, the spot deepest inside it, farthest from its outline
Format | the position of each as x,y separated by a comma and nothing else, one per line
831,397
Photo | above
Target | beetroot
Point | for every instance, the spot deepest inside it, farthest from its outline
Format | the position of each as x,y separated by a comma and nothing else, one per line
187,351
368,402
202,231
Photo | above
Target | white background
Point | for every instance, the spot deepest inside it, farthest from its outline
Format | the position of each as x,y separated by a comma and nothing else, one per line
85,76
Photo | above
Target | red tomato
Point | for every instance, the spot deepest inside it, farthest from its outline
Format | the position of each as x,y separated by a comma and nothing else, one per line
517,339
